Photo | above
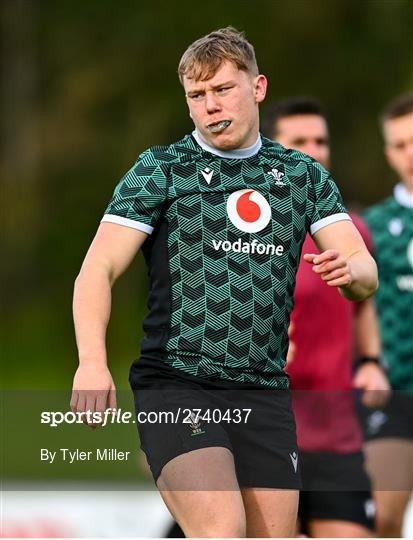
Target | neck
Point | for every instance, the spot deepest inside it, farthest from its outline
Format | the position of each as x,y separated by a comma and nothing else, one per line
237,153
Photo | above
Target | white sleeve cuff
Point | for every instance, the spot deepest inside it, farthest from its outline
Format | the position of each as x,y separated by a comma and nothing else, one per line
327,221
126,222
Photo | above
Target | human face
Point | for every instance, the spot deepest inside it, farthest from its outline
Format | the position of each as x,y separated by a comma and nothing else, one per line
307,133
230,97
398,137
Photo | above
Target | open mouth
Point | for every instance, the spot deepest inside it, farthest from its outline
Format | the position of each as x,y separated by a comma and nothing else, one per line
219,126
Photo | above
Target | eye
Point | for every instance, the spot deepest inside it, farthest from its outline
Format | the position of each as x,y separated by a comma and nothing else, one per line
399,146
223,90
196,97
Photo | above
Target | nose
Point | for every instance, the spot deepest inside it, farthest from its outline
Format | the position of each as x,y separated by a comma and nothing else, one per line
212,103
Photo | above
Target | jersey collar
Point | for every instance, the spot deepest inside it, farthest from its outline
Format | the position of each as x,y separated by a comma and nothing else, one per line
239,153
403,196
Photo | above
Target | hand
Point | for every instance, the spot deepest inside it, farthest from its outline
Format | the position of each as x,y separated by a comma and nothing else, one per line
372,380
332,267
93,390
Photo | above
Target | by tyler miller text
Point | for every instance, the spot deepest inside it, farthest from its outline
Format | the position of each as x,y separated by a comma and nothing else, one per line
75,455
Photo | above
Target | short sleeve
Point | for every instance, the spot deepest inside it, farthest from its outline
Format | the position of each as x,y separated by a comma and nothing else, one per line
325,202
138,198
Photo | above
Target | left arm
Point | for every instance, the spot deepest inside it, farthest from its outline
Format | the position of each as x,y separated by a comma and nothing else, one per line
344,260
367,329
369,376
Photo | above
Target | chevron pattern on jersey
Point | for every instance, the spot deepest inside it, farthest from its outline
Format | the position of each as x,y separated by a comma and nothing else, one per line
231,296
391,226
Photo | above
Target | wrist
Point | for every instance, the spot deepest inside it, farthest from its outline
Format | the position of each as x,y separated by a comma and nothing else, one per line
99,361
370,360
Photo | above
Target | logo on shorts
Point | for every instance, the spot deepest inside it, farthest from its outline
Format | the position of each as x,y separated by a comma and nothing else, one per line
248,210
376,421
195,425
294,460
370,508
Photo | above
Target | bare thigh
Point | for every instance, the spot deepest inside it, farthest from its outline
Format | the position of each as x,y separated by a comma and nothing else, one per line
201,491
389,462
270,513
332,528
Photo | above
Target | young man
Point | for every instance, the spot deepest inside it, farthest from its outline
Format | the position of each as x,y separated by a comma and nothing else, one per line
329,436
390,430
221,217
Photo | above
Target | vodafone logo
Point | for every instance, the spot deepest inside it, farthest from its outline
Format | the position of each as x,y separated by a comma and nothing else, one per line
248,210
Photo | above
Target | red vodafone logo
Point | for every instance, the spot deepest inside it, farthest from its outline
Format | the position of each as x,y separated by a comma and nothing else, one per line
248,210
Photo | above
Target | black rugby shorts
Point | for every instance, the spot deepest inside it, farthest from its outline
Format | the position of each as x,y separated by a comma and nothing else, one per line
255,423
335,487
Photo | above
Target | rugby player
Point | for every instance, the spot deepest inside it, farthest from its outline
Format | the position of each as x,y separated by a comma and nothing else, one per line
321,369
389,430
221,216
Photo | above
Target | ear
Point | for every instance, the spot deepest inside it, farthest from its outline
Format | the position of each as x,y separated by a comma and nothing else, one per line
189,108
260,88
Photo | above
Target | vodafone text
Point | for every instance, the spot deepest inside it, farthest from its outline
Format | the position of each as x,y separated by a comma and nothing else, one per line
248,247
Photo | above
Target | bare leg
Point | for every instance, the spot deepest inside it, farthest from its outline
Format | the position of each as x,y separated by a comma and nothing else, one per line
390,464
391,506
270,513
331,528
201,491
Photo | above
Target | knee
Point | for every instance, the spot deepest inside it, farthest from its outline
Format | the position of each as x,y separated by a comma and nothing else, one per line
389,524
219,528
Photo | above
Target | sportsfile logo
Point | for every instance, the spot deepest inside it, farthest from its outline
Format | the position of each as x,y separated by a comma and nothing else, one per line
249,212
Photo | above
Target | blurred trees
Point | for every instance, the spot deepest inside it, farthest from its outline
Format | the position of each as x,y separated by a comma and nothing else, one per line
88,85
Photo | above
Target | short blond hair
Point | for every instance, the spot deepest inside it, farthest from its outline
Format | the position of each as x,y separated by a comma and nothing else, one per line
203,58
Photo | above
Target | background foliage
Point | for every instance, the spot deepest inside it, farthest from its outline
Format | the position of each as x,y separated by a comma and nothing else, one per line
88,85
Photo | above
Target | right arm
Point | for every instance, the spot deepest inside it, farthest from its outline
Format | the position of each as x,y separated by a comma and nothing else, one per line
110,253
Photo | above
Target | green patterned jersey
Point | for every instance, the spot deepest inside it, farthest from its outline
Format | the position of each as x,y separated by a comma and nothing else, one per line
225,235
391,225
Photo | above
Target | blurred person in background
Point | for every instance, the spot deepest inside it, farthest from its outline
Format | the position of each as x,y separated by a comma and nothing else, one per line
206,211
325,328
389,430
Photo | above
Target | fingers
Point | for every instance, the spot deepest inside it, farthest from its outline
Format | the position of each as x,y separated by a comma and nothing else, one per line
341,282
309,257
331,266
375,398
73,401
93,392
90,406
81,402
369,400
112,398
318,258
88,402
101,401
